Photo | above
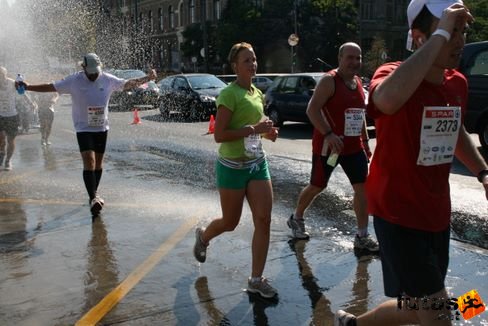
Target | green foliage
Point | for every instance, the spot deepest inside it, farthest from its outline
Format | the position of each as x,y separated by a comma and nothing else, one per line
479,29
372,59
322,26
326,24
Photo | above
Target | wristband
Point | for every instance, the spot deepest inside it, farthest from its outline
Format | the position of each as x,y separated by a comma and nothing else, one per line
482,174
442,32
328,133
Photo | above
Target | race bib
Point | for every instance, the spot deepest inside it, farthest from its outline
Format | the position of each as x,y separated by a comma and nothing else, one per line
253,146
439,134
96,116
354,122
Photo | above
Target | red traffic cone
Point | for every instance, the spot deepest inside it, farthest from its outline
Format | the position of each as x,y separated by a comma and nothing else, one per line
136,120
211,125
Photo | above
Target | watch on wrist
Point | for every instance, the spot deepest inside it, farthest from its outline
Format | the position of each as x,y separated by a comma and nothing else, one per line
482,174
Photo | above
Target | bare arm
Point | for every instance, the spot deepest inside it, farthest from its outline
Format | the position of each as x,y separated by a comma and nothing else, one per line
396,89
135,82
324,90
469,155
44,88
223,134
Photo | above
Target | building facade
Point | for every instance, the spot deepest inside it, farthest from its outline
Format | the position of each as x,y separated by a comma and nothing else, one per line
152,31
154,28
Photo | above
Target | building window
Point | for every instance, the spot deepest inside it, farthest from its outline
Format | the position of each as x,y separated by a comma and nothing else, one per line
160,18
367,10
217,10
400,9
141,21
161,56
191,11
171,17
151,20
181,16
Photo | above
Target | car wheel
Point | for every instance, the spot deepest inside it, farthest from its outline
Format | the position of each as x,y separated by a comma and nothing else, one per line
483,133
163,109
274,115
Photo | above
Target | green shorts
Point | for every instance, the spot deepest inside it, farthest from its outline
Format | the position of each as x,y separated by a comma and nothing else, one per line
232,175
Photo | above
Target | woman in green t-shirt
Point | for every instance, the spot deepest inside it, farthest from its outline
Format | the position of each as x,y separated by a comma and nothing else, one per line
242,169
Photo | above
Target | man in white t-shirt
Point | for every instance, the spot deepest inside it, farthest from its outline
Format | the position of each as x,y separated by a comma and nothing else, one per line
90,92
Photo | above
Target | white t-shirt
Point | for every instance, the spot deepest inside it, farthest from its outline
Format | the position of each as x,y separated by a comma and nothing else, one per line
90,99
8,98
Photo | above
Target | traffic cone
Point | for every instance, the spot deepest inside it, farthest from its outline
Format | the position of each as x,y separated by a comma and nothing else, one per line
211,125
136,120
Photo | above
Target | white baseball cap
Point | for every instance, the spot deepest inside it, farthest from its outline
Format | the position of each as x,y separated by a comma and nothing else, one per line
436,7
92,63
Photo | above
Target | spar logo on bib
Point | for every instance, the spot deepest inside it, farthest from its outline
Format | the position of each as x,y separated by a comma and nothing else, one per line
439,114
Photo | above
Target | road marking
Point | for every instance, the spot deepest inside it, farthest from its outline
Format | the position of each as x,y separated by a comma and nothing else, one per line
113,298
78,203
11,179
15,177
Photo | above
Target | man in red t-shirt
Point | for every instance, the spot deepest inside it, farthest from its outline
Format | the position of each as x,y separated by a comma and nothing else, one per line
418,106
336,111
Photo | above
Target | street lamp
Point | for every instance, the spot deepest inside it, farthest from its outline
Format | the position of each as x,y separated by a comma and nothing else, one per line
292,42
293,38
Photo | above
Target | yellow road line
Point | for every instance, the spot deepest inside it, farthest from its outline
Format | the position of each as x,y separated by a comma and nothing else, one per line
113,298
14,178
78,203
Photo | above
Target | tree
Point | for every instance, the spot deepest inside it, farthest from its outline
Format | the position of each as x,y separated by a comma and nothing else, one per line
322,26
325,26
373,58
479,29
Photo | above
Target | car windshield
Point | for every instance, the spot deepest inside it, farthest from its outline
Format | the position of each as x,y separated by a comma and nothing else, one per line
205,82
129,74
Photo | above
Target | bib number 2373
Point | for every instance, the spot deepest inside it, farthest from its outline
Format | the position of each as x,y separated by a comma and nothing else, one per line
439,134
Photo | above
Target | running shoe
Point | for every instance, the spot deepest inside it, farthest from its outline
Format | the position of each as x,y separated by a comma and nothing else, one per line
100,199
200,248
96,206
8,165
342,318
262,287
297,228
366,243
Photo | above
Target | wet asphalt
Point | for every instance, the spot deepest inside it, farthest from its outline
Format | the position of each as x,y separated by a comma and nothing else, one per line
134,266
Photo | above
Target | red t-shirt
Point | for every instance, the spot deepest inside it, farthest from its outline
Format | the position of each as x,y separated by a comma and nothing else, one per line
399,190
334,111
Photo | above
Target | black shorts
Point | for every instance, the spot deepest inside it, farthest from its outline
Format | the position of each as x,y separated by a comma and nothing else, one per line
10,125
354,165
92,141
414,262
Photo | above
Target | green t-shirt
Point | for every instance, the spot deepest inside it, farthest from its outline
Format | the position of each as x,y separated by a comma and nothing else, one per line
246,110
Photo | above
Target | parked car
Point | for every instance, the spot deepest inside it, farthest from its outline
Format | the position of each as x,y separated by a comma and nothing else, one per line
261,81
474,65
146,96
191,95
287,98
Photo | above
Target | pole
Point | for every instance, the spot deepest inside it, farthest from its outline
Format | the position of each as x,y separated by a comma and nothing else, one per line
205,38
292,62
296,33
